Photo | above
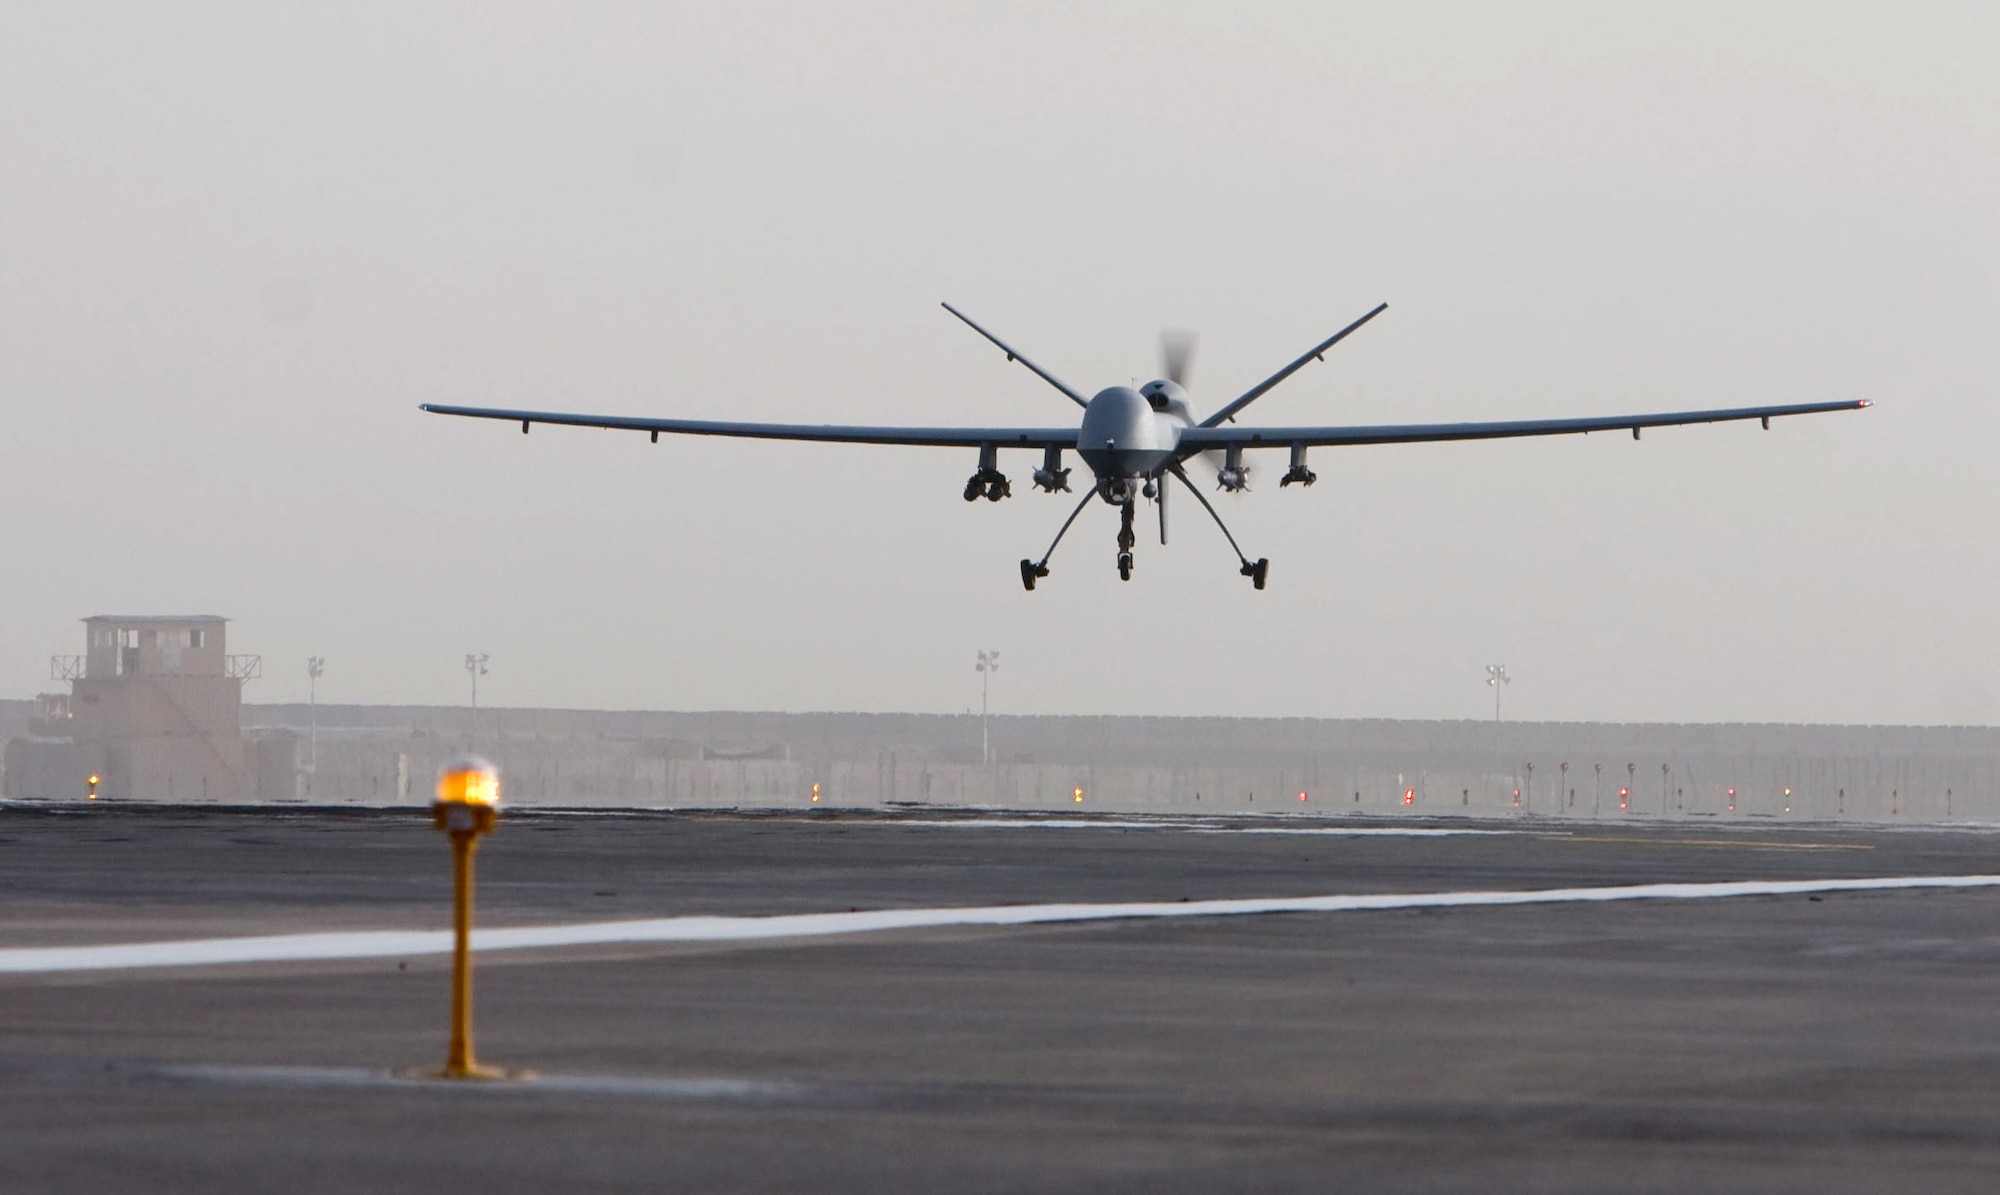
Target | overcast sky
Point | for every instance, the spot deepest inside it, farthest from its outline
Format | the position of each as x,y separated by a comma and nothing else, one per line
240,243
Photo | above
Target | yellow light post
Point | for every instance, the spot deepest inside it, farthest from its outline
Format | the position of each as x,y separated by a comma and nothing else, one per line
468,799
93,786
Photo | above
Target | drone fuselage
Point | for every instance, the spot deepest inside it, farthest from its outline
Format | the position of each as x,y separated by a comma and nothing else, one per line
1128,435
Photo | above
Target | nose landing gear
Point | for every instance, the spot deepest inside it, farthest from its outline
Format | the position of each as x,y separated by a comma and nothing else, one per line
1126,539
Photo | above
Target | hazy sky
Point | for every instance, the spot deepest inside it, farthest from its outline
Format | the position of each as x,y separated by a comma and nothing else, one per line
240,243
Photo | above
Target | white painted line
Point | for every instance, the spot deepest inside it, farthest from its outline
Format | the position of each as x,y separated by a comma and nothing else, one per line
1372,831
317,947
657,1087
1022,823
1205,826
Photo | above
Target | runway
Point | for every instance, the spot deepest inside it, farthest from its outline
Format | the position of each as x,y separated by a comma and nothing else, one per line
1043,1005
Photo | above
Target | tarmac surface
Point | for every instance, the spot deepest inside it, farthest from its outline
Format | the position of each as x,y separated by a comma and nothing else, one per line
1836,1041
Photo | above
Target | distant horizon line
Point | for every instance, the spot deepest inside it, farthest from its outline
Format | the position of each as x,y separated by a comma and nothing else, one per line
463,708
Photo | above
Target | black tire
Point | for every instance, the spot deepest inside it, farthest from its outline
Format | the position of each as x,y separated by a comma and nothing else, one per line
1124,566
1028,572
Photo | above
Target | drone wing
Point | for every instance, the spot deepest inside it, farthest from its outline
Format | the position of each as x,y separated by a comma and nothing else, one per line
1200,438
932,437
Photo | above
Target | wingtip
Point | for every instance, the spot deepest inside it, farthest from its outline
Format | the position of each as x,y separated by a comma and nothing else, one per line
1865,402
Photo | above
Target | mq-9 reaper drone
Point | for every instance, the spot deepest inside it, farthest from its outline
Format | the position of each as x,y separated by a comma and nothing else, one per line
1135,441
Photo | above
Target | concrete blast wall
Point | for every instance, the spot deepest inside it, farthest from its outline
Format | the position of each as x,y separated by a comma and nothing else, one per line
386,755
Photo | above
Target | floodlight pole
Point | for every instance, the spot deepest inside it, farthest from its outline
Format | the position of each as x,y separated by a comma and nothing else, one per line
989,663
1496,675
315,665
475,665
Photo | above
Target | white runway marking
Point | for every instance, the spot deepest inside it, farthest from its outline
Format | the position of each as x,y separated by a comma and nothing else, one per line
1371,831
1205,826
406,944
626,1085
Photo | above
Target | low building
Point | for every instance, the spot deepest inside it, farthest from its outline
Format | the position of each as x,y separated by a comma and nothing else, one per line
155,711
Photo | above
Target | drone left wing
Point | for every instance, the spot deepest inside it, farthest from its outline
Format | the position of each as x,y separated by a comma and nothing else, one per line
1418,433
931,437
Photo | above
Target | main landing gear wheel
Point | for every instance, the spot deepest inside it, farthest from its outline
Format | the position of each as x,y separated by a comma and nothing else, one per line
1257,571
1030,572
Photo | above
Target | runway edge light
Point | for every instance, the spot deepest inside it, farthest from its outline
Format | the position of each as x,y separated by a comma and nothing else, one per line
93,786
467,805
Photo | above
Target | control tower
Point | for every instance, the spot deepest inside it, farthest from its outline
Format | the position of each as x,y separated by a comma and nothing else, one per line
156,708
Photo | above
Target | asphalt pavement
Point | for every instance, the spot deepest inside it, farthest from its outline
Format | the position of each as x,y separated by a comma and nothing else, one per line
1837,1041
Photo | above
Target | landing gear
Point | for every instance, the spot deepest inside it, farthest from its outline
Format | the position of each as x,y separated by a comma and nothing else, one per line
1124,494
1126,540
1031,570
1257,570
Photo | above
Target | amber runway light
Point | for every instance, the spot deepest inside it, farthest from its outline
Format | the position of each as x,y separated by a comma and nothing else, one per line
468,799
